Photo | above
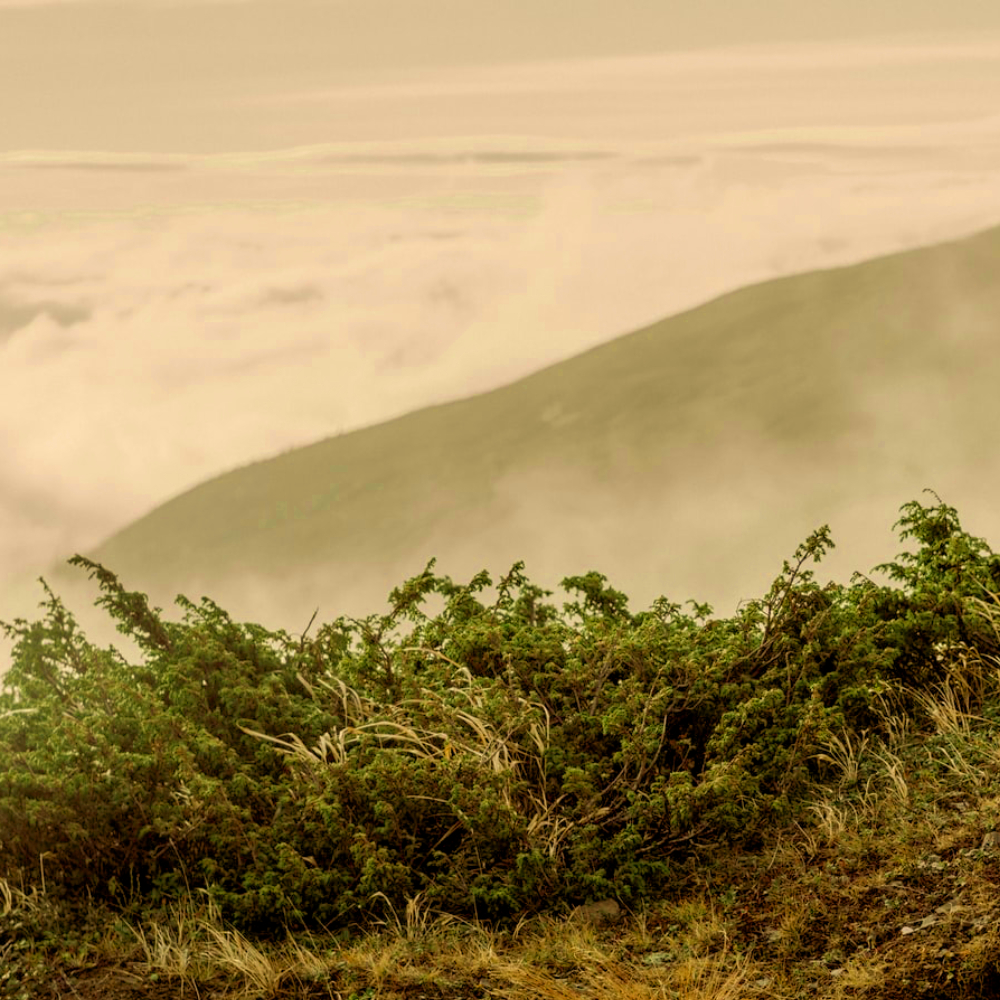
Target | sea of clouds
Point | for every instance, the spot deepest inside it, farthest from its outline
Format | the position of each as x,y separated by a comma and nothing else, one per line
167,317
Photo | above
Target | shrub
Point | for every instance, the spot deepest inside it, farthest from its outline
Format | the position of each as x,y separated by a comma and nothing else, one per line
499,756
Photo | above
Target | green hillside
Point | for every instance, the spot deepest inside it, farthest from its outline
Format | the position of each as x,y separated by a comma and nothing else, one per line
676,459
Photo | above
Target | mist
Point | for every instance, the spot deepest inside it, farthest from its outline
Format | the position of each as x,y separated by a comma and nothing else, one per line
169,310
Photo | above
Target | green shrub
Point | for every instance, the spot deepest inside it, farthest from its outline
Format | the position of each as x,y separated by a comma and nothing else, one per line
496,757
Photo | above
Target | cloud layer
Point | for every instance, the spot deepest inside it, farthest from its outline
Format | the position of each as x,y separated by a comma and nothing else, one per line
167,316
144,352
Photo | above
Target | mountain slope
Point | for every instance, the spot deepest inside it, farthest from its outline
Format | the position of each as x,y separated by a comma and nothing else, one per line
685,458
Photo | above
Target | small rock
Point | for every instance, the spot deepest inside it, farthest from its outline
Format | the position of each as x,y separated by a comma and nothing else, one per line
991,841
952,906
658,957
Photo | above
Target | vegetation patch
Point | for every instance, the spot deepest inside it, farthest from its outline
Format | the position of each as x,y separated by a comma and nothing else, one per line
481,793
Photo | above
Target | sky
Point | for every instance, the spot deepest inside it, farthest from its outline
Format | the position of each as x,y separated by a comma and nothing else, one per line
167,76
229,228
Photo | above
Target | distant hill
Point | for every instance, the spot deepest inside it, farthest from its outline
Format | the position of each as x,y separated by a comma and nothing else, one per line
688,458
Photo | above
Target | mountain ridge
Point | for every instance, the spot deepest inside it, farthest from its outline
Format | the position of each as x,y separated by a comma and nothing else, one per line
762,392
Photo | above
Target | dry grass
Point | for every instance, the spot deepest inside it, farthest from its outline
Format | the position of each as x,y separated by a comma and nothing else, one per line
171,949
860,976
194,947
949,706
14,900
896,723
832,822
257,971
845,754
721,977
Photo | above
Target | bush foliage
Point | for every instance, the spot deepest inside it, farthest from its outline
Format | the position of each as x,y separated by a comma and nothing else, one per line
495,757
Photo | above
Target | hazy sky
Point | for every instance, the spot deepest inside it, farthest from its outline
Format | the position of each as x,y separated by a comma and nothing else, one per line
229,228
160,75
